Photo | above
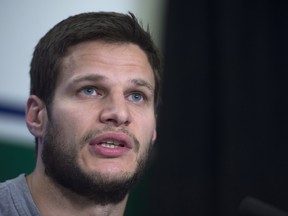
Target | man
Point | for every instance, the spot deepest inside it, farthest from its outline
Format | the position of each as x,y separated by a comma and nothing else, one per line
92,108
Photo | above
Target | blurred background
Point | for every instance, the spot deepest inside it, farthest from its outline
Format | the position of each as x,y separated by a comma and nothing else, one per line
222,131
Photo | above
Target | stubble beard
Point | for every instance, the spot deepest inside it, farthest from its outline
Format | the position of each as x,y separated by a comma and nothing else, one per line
60,161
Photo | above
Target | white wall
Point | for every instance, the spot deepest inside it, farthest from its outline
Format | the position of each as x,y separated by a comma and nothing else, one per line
24,22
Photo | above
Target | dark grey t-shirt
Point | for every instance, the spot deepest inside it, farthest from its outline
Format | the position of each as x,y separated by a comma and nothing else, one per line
16,199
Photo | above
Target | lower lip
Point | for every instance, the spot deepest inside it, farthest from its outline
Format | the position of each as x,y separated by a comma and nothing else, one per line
109,152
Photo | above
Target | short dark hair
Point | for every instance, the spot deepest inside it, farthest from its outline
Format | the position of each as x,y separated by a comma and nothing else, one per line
109,27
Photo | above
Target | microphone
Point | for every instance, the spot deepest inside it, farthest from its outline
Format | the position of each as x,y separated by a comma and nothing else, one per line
254,207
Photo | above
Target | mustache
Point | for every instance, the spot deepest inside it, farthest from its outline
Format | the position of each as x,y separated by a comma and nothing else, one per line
96,132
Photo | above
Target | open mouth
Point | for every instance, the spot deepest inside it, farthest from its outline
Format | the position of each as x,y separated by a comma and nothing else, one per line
111,144
112,140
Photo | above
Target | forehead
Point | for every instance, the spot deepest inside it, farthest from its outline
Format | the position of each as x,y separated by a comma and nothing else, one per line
112,60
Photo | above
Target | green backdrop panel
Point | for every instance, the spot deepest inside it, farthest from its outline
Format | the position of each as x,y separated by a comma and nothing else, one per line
15,159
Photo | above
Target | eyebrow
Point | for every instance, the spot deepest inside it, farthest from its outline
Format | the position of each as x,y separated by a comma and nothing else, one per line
90,77
96,78
141,82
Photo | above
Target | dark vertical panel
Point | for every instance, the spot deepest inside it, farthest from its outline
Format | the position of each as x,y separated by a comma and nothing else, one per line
223,122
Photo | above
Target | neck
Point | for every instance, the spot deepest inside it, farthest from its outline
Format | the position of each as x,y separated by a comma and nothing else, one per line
53,199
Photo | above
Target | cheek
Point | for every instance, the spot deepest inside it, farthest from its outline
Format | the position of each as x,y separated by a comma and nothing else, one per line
144,118
72,121
146,128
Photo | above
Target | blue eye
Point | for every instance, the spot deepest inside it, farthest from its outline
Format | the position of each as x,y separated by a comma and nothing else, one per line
89,91
136,97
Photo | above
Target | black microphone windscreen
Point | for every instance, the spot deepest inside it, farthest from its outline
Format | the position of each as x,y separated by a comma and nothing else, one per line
254,207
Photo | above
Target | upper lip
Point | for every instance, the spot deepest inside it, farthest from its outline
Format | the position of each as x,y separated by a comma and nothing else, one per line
117,137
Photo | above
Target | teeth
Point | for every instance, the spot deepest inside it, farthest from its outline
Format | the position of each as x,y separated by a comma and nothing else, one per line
110,144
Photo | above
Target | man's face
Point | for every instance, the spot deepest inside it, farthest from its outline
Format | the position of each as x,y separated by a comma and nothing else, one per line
102,119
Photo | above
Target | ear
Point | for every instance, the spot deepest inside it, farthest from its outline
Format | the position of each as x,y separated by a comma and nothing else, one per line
155,131
154,135
36,116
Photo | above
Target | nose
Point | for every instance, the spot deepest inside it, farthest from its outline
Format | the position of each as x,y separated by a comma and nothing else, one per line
115,111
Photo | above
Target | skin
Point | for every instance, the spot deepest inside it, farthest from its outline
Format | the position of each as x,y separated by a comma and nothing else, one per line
101,85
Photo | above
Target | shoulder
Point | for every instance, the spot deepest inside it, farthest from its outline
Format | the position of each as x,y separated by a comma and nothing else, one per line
8,190
7,185
12,183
